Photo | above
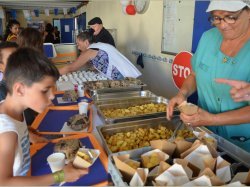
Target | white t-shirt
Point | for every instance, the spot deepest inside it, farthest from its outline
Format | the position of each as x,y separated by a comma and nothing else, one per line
22,155
117,60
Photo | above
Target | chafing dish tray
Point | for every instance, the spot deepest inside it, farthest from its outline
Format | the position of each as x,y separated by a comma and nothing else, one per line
119,95
140,109
107,86
155,123
237,157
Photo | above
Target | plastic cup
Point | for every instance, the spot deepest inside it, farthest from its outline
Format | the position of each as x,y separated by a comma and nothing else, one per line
83,107
56,161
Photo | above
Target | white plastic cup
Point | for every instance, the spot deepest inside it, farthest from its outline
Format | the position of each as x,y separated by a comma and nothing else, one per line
56,161
83,107
80,90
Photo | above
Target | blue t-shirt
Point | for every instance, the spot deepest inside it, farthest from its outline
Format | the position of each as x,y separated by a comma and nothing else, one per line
210,63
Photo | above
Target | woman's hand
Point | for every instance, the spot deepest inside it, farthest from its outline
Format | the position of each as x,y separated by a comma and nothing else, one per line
201,118
240,90
175,101
72,174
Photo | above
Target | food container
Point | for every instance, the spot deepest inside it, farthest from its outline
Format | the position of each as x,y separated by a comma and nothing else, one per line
126,103
131,126
122,95
238,158
106,88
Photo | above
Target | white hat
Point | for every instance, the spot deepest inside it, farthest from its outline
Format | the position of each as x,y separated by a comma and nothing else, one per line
228,5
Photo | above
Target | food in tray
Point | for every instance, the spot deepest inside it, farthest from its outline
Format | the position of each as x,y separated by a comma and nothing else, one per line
97,85
114,83
69,147
140,137
127,82
78,122
151,160
85,157
134,110
133,81
70,95
185,133
132,163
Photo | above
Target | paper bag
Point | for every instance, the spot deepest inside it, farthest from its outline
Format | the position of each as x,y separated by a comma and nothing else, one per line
181,146
163,145
173,176
200,181
184,164
188,108
243,177
213,178
223,169
201,158
153,158
140,177
163,166
127,170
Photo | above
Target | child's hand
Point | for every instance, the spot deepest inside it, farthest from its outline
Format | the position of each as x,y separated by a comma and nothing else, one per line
72,174
34,138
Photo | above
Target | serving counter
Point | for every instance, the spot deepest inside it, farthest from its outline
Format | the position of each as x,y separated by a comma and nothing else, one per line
52,120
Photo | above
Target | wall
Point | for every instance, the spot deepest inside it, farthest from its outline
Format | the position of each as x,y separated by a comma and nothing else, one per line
139,33
42,17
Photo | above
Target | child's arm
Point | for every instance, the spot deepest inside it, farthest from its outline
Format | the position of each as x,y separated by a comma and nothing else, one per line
35,138
8,142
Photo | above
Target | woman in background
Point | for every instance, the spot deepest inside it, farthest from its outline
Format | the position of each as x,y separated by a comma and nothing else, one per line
104,57
12,31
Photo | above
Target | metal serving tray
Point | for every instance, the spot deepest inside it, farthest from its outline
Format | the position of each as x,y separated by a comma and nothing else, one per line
133,125
125,103
238,158
131,87
123,97
119,95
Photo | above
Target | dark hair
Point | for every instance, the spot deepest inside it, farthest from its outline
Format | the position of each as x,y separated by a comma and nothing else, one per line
49,28
86,35
30,37
6,45
95,20
8,27
28,66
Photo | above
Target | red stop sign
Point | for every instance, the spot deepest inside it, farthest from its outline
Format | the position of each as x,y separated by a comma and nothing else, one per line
181,68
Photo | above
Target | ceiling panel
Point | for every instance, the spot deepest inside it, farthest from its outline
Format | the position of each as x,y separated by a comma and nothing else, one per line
35,4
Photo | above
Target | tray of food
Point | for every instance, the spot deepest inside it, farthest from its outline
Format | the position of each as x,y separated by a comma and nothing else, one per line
194,167
118,95
107,86
133,135
114,111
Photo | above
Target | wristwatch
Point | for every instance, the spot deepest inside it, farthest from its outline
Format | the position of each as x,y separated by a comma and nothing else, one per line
141,6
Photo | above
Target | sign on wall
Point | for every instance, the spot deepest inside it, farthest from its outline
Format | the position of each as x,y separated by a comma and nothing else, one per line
181,68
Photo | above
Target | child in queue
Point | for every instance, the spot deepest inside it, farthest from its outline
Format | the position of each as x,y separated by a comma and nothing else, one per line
30,78
6,49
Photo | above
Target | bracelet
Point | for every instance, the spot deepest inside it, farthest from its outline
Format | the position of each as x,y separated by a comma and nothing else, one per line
58,176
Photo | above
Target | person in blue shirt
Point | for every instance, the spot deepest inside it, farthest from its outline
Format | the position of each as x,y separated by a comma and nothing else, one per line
223,52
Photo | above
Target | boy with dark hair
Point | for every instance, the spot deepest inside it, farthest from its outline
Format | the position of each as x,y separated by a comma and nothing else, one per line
30,78
6,48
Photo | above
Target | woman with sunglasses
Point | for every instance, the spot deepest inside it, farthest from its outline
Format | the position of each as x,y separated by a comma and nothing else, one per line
223,52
